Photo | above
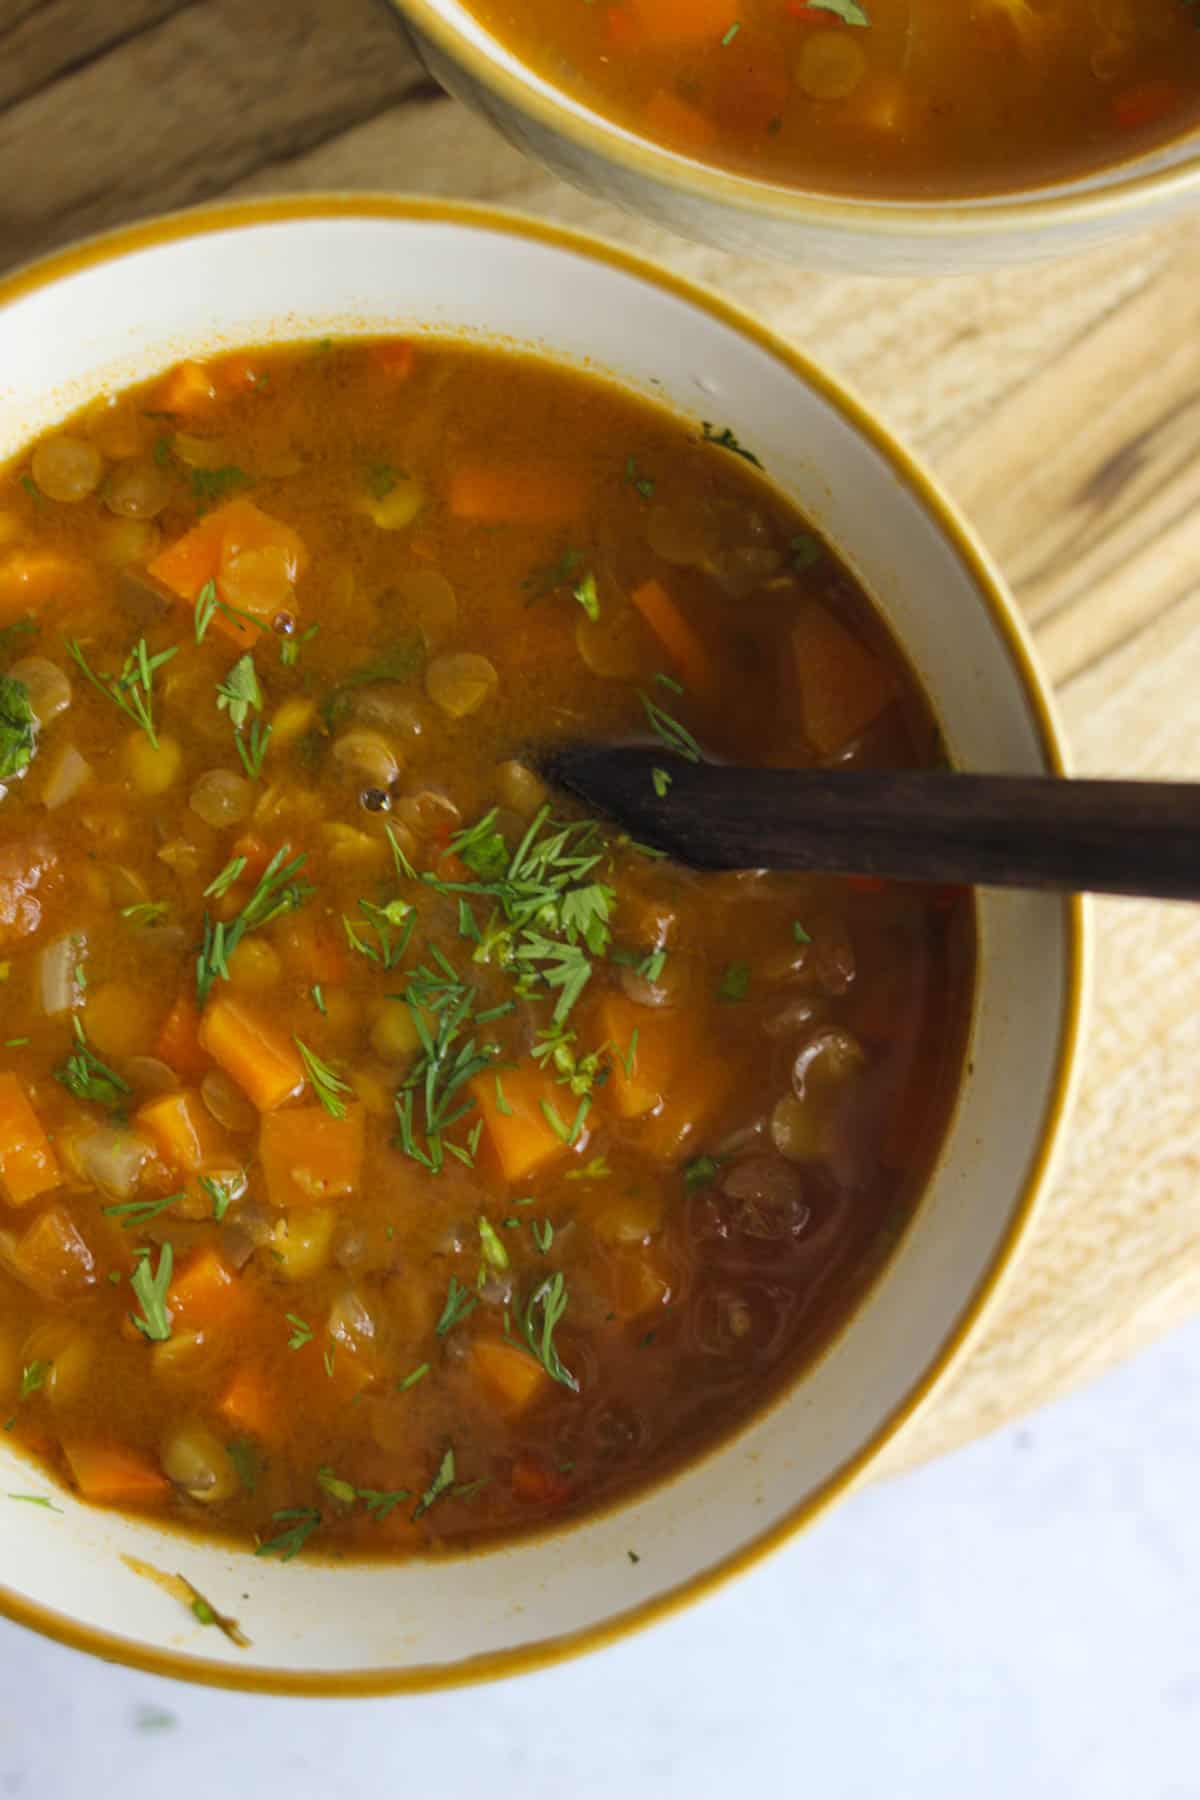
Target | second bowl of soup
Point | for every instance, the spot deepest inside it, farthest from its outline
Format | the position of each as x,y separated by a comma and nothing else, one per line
897,135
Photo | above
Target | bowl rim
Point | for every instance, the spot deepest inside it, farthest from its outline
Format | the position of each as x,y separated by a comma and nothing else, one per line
229,216
947,219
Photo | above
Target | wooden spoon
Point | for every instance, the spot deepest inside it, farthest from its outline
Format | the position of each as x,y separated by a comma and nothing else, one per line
1025,831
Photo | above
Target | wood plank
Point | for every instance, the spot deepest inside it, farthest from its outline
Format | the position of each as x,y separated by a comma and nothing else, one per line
190,106
41,40
1115,1259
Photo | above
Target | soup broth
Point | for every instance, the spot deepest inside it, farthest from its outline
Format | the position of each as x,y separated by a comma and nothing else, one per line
391,1156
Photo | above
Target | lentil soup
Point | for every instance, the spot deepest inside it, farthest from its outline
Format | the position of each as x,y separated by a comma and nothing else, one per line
901,99
390,1156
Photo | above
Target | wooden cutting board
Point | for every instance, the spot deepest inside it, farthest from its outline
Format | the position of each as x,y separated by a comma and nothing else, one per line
1060,405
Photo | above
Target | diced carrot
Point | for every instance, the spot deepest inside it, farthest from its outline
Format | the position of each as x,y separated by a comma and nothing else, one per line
112,1475
205,1292
222,541
255,852
843,687
52,1258
677,636
186,389
511,1378
178,1042
499,494
183,1130
675,122
516,1128
28,1165
1145,104
678,23
538,1485
698,1090
308,1157
394,358
260,1058
250,1403
641,1069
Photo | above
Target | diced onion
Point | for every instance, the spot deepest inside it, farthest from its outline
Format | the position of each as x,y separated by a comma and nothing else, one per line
68,773
58,990
46,684
111,1159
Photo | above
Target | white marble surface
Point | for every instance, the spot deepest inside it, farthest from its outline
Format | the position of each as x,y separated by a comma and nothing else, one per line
1021,1622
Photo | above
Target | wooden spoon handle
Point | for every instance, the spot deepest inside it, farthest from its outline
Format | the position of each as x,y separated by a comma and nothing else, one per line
1108,837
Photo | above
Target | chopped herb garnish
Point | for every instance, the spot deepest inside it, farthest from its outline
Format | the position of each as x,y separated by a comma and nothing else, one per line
211,485
640,483
379,1502
798,932
277,892
132,691
342,1491
848,11
411,1379
326,1085
585,593
219,1192
596,1170
85,1076
502,1106
380,478
37,1500
301,1333
554,575
32,1377
542,1233
150,1288
701,1172
244,1458
731,33
146,912
725,440
442,1480
299,1523
221,884
662,782
674,735
735,982
542,1314
133,1213
240,693
18,727
492,1249
400,661
806,550
460,1301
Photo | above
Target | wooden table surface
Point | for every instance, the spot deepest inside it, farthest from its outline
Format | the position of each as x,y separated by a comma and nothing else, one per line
1060,405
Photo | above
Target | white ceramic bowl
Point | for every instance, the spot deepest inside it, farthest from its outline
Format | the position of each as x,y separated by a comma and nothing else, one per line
765,218
120,308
